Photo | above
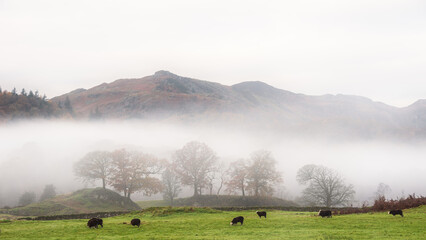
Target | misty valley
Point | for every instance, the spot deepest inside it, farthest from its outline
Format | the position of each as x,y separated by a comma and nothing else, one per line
39,153
166,146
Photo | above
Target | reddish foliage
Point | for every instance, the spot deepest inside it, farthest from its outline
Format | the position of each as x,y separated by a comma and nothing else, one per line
381,204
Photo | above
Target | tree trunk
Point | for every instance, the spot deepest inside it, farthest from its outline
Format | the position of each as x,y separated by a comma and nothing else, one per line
103,183
218,191
195,189
328,203
242,189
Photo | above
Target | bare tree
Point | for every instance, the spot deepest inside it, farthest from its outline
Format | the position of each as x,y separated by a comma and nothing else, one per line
262,173
94,165
382,191
238,177
325,186
193,162
132,172
171,185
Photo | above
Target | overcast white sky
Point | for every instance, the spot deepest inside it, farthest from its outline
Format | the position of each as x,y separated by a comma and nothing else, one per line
375,49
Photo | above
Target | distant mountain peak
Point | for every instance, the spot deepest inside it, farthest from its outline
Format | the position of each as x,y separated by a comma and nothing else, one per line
164,73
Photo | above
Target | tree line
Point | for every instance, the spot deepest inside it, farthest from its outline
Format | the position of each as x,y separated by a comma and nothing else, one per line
196,165
14,105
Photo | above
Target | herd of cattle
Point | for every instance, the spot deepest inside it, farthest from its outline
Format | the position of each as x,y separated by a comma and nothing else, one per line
95,222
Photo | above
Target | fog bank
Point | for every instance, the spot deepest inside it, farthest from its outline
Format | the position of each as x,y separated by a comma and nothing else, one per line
36,153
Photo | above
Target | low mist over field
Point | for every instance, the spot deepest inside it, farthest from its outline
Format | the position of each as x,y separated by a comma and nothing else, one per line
37,153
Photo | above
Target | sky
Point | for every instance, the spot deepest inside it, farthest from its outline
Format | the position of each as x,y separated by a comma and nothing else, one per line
369,48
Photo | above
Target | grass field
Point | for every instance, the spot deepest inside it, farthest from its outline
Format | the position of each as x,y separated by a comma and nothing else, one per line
187,223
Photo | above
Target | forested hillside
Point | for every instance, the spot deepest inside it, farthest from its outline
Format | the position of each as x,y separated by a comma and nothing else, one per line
30,105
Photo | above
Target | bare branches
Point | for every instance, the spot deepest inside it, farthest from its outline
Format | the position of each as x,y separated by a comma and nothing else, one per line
94,165
132,172
325,186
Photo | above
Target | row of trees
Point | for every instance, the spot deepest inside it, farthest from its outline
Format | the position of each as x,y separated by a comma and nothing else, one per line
26,105
196,165
30,197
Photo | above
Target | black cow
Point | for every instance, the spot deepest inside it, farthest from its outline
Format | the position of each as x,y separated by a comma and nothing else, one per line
324,213
94,222
260,214
136,222
396,212
237,220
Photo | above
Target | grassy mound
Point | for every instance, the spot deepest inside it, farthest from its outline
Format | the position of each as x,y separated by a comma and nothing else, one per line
221,201
166,211
81,201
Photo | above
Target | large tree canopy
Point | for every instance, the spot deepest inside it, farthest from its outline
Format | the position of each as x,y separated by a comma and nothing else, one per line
193,163
262,173
325,186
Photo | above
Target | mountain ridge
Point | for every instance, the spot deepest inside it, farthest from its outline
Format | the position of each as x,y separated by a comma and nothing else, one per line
167,96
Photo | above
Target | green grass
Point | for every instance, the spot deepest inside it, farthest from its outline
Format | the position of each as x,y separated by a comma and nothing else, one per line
221,201
204,223
153,203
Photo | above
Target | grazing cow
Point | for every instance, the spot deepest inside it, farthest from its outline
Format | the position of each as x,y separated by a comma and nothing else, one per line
94,222
237,220
324,213
396,212
260,214
136,222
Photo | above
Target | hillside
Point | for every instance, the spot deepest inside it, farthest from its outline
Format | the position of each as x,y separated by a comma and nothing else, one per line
168,97
221,201
81,201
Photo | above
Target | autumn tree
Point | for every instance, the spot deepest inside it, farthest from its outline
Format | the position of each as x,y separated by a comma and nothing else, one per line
94,165
325,186
48,192
262,173
193,163
135,172
238,177
27,198
171,184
